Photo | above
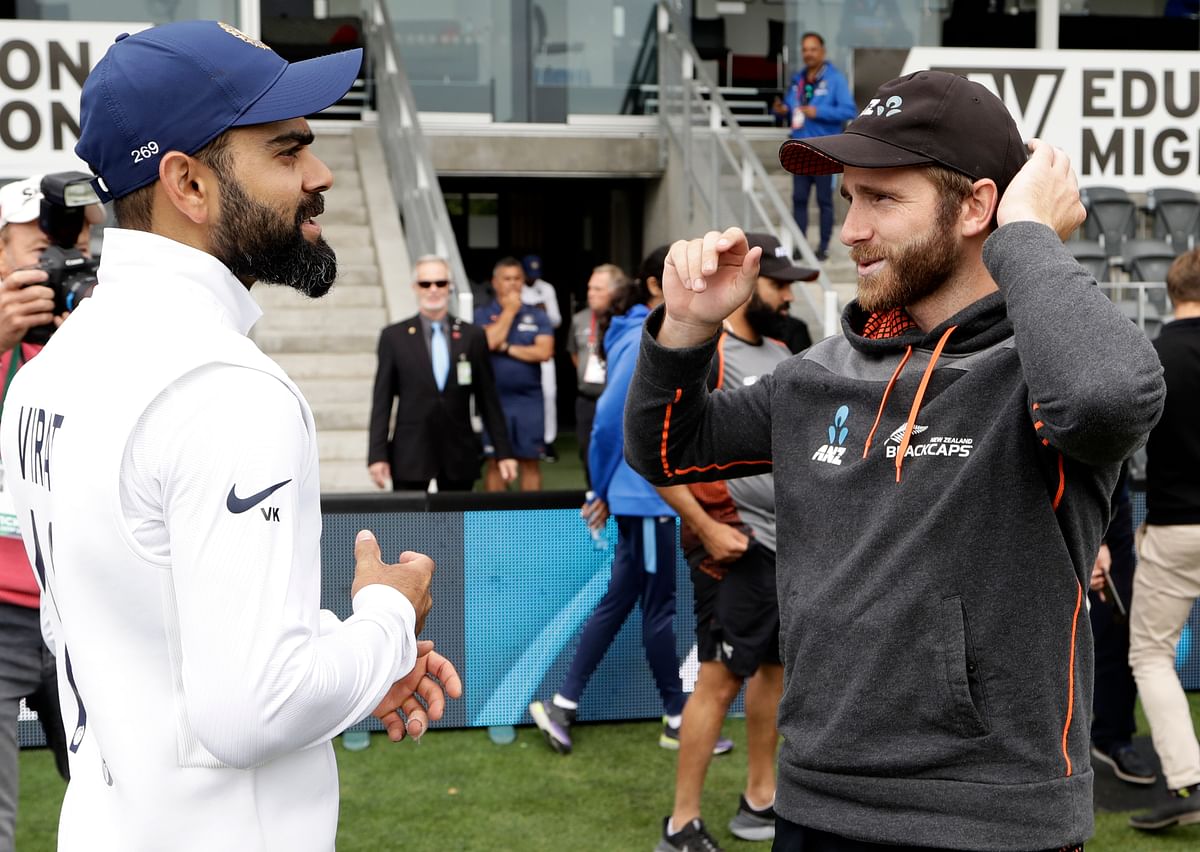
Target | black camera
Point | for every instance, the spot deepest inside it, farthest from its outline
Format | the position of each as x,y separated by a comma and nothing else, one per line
65,198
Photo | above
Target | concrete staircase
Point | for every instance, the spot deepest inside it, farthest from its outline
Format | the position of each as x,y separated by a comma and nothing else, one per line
328,346
839,267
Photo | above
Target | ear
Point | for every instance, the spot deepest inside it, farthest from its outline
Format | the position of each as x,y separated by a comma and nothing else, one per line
979,208
189,186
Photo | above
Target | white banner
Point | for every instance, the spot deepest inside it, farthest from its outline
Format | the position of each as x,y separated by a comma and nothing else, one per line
1126,118
42,68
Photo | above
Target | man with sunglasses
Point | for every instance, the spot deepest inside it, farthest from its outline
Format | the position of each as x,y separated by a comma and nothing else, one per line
434,363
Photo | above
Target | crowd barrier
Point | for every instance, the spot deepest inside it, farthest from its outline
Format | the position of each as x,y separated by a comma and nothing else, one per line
517,575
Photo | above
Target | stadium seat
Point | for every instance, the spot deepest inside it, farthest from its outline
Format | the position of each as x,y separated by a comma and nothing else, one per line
1175,216
1091,257
1148,260
1111,217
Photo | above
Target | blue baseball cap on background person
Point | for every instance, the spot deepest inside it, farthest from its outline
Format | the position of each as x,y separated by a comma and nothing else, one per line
178,86
533,267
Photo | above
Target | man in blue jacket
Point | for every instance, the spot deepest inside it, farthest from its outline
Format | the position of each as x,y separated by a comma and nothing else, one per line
818,102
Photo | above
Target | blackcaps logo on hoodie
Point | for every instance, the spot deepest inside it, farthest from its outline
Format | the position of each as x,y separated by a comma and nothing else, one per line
938,445
832,452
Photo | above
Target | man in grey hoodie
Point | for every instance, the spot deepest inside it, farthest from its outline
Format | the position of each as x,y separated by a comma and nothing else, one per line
942,472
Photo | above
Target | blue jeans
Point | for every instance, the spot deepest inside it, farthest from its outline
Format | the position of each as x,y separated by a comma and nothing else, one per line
801,185
643,571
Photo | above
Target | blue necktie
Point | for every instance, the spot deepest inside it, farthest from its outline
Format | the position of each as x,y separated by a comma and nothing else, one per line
441,356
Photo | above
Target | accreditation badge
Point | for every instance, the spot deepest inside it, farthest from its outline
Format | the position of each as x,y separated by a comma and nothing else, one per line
593,370
8,511
464,373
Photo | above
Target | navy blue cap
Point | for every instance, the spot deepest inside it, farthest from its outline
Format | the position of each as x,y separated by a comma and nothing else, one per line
532,265
178,86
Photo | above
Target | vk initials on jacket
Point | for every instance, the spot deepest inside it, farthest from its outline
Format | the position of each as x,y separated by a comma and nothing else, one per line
940,500
165,475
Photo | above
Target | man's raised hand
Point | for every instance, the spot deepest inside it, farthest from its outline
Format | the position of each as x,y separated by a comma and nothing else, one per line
704,281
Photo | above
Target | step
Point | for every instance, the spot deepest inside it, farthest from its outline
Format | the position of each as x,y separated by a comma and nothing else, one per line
313,315
274,341
346,236
326,365
347,179
357,274
343,415
339,476
342,295
322,391
343,445
354,255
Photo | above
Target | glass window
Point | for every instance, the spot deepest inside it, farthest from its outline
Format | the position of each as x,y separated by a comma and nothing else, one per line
154,11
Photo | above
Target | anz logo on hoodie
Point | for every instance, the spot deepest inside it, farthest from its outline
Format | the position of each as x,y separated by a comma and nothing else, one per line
832,452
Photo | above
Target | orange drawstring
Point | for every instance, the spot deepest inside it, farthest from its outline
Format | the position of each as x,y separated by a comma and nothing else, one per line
883,402
912,413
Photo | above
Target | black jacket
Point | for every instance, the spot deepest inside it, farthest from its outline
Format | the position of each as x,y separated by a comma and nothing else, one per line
433,435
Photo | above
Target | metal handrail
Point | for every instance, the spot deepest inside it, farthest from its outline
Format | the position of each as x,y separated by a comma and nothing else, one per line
1145,311
725,176
427,228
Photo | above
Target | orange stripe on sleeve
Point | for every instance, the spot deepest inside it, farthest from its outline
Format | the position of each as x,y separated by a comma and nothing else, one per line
1062,484
667,431
1038,425
681,471
1071,676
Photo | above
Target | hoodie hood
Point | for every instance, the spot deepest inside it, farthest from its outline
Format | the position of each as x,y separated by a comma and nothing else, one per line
979,325
625,329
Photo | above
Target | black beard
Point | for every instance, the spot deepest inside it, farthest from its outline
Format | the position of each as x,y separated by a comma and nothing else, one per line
763,320
255,242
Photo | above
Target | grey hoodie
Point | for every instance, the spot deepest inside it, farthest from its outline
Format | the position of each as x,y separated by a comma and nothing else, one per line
937,654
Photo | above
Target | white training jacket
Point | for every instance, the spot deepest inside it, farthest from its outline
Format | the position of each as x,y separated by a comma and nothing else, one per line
165,476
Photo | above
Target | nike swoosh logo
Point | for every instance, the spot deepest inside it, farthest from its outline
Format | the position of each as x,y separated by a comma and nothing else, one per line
237,504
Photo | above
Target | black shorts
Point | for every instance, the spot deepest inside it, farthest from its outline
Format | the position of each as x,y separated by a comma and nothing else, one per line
737,618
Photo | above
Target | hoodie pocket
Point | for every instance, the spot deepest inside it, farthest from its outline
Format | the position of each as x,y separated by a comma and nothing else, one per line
963,678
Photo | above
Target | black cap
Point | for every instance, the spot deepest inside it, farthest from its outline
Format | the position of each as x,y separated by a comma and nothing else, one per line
776,262
925,117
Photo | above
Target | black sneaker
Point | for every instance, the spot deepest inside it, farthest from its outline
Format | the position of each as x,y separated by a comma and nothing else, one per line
1126,764
555,723
749,824
1182,807
549,454
822,255
693,837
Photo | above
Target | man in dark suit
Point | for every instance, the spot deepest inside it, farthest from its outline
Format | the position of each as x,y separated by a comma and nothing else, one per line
434,363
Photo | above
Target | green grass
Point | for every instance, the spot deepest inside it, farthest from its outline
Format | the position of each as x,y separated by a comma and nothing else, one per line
459,791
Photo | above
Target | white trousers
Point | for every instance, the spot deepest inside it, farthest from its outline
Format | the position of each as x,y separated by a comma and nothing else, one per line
1165,587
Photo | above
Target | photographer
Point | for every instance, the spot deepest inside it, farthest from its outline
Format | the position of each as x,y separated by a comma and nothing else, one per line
30,227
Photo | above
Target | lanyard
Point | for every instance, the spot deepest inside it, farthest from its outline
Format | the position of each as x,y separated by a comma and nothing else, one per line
15,360
592,332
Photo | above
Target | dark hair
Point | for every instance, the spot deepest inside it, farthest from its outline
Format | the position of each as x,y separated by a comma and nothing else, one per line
1183,278
633,291
507,262
811,34
136,210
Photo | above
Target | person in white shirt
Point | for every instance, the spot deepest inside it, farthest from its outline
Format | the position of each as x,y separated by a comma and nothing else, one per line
540,293
165,475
